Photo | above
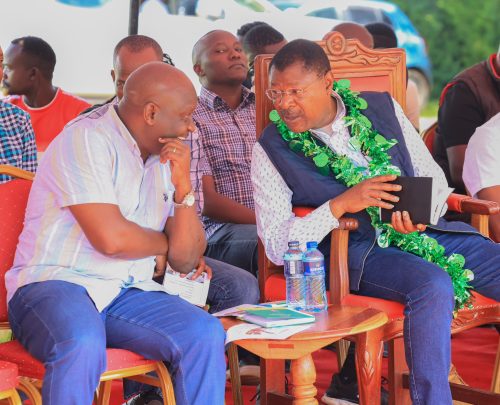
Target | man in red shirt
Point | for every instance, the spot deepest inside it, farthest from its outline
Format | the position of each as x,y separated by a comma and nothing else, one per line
28,68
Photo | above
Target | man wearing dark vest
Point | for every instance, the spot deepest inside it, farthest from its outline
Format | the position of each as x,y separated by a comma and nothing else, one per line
301,83
470,100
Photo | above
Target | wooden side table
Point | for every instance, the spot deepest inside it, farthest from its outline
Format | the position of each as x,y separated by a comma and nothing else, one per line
332,325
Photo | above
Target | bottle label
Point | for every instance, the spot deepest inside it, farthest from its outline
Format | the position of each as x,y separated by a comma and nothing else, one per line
293,267
314,267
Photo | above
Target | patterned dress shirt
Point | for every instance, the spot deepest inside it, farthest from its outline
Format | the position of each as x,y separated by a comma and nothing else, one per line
276,223
228,137
199,168
17,140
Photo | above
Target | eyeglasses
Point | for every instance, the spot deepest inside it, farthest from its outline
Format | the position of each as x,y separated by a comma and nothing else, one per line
277,95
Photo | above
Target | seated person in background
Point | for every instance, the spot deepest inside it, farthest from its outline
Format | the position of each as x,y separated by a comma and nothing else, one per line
17,140
469,100
242,31
482,167
385,37
225,118
28,68
106,197
259,40
351,30
283,178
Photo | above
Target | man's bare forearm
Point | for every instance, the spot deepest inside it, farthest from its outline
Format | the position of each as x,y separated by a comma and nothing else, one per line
186,238
113,235
224,209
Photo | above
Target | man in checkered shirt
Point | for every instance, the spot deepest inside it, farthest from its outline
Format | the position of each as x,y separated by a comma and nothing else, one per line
225,117
17,139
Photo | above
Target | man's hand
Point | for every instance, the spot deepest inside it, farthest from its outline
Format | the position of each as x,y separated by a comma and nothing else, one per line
403,224
374,192
160,266
179,155
202,267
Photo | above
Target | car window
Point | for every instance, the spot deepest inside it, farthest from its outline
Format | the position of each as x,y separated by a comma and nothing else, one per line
327,12
362,15
387,19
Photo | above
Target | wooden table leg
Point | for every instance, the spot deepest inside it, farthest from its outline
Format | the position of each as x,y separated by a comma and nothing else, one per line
272,378
369,347
303,375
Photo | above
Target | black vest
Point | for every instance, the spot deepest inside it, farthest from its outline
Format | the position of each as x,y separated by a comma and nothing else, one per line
312,189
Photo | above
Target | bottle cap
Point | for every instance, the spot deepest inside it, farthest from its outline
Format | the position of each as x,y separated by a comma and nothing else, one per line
293,243
312,245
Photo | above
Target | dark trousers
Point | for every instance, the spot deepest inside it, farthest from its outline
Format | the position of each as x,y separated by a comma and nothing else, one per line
235,244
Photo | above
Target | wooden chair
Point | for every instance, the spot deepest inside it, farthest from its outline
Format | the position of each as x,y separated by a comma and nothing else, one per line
479,219
379,70
120,363
428,136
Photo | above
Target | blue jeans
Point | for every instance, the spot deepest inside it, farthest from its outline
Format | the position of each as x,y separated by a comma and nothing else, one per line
427,293
59,325
230,286
235,244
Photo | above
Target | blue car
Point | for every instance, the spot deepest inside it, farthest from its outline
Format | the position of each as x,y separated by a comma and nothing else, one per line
364,12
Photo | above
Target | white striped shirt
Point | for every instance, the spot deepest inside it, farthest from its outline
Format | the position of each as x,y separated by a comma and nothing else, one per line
94,160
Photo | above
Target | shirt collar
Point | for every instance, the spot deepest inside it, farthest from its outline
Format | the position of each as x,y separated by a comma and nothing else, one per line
216,103
333,127
124,132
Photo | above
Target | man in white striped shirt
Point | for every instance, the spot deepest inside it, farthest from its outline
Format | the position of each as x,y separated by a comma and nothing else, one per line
114,191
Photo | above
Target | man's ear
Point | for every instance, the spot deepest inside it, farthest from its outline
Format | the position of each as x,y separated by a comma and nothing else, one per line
33,73
113,75
150,111
329,81
198,70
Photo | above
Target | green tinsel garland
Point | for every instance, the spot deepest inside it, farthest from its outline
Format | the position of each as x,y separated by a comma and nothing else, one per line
374,145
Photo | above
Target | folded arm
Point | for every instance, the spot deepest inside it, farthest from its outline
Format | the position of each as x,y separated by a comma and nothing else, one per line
111,234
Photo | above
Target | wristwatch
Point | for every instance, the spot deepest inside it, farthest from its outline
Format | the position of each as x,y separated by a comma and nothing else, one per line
187,201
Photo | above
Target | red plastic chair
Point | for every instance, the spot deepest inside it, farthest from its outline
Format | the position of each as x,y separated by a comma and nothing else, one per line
120,363
9,383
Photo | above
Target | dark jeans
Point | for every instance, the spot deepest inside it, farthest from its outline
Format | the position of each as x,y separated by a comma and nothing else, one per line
59,325
235,244
427,293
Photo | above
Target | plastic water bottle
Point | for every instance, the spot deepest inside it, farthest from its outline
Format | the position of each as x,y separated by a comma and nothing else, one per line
314,273
294,274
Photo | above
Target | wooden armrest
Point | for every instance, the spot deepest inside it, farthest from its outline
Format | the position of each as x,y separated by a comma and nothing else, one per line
339,270
348,224
463,203
16,172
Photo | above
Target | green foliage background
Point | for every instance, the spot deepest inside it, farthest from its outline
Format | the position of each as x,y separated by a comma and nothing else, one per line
458,33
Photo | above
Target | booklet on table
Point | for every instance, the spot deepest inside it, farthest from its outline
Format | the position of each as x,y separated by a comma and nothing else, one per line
268,316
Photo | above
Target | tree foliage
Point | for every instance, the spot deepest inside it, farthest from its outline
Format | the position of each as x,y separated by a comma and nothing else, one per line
458,33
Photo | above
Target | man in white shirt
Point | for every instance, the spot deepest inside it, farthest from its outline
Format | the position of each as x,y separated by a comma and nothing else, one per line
112,192
301,83
481,172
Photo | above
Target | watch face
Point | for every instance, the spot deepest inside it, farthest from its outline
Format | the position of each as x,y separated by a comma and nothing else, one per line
189,200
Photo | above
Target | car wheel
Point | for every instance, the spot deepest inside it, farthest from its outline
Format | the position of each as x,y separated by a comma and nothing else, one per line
424,88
